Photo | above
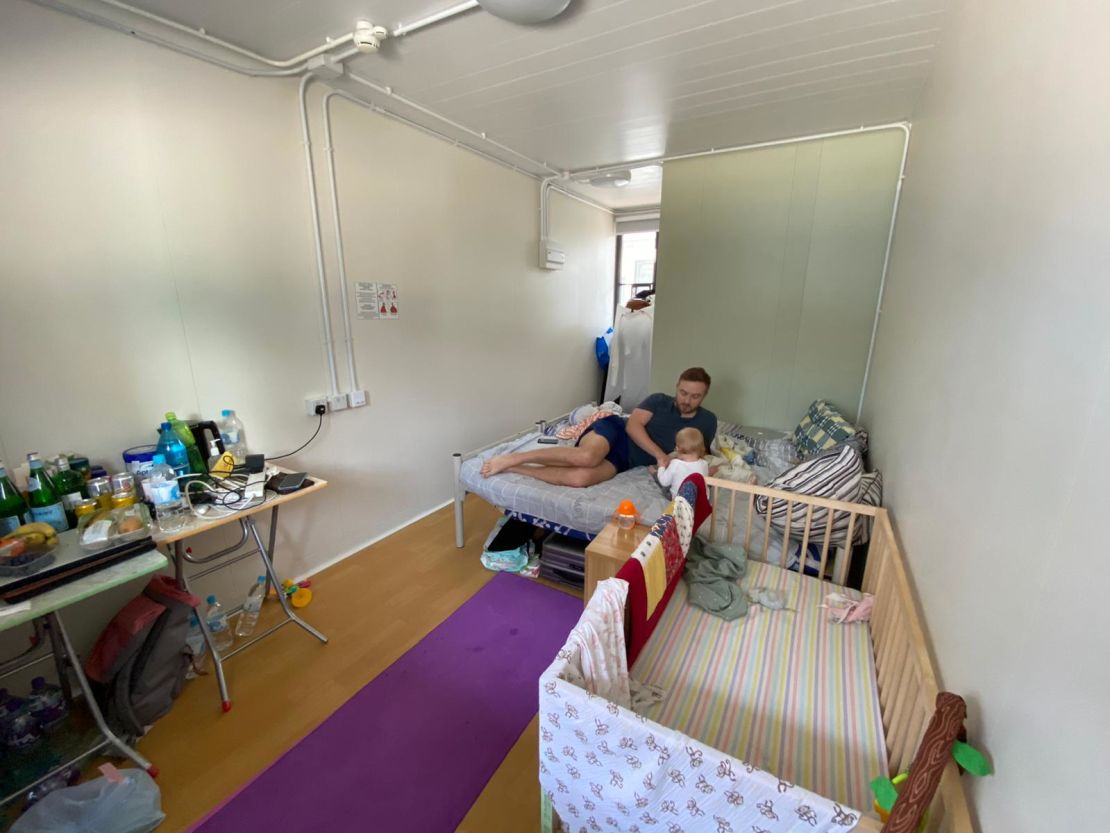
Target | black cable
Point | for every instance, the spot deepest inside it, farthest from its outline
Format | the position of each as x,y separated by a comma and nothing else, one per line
319,425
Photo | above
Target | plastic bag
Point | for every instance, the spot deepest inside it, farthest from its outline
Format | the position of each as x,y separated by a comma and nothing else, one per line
130,805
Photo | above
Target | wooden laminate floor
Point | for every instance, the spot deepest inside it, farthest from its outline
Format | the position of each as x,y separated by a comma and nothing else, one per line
373,606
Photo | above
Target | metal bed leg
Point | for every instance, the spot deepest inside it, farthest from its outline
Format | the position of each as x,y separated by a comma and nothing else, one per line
217,663
460,497
268,564
90,701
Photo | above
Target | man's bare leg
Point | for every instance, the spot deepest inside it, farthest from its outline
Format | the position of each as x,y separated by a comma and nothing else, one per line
589,452
578,476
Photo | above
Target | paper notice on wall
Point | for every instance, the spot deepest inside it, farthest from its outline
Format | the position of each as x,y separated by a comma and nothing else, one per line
376,300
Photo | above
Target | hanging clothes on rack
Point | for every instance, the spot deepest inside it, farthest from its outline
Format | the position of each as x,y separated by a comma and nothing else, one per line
630,358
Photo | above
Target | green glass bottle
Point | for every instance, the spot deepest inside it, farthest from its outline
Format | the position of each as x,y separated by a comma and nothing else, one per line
70,487
13,508
43,500
196,459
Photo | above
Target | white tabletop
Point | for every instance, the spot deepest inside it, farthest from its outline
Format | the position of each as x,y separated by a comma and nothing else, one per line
95,582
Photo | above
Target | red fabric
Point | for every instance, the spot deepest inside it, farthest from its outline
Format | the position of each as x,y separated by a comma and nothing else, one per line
702,507
137,615
640,627
673,555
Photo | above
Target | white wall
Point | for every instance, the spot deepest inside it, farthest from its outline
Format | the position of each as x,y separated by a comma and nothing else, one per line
156,253
991,391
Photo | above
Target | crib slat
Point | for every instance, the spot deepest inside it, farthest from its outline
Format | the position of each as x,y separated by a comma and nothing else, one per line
767,532
805,531
748,530
830,519
731,515
786,533
842,569
716,502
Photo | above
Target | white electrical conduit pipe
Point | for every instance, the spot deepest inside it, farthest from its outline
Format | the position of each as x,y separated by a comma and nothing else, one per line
281,63
406,28
317,238
146,37
329,151
389,93
886,266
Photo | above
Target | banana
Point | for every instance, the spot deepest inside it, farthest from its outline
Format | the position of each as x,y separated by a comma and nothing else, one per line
44,529
29,537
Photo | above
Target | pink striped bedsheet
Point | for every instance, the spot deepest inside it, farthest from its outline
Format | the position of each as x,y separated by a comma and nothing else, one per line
787,691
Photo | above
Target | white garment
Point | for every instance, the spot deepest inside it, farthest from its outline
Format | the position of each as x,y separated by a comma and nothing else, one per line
630,358
675,472
599,638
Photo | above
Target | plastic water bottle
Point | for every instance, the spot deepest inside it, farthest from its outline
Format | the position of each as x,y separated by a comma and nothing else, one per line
170,509
217,625
173,450
252,606
231,432
194,642
47,703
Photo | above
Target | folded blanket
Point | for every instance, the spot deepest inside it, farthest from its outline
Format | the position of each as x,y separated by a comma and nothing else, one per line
712,573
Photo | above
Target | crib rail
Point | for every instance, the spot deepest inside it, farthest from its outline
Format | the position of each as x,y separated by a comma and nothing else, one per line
737,501
905,671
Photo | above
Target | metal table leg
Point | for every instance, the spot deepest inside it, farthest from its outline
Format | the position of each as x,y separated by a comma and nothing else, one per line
268,564
83,682
217,663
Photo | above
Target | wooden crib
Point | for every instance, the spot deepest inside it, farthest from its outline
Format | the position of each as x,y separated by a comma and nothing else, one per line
905,673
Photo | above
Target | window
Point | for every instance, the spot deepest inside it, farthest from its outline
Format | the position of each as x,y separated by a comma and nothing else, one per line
635,264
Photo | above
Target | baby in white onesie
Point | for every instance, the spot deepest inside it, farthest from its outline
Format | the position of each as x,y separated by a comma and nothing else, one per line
689,448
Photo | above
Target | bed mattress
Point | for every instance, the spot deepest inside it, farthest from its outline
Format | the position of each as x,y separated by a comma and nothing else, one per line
581,513
787,691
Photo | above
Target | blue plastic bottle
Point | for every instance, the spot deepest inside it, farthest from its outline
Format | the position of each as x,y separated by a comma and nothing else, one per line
171,447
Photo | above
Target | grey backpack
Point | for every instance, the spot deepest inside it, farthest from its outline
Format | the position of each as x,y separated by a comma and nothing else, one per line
139,662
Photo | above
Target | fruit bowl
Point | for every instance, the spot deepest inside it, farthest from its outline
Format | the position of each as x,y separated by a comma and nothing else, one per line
23,551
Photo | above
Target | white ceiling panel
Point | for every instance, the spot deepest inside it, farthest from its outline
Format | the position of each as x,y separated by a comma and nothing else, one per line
618,80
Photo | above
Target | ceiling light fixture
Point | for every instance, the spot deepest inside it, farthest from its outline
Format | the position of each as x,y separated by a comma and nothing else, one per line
525,11
611,179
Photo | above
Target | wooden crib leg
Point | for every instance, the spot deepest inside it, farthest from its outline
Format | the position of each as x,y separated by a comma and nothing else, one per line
547,823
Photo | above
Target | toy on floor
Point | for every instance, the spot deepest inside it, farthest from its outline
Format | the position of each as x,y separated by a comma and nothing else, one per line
299,594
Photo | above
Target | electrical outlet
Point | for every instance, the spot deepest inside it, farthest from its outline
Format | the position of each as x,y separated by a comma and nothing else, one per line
358,398
337,402
312,402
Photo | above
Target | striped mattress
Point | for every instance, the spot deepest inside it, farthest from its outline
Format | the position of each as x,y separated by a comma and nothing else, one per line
787,691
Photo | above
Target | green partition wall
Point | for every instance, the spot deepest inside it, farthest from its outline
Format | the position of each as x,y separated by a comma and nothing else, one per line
769,268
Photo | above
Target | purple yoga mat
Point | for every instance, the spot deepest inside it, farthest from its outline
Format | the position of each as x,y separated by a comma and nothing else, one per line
413,749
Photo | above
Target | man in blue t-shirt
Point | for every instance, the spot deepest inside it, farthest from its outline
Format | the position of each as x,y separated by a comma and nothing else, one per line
610,446
653,424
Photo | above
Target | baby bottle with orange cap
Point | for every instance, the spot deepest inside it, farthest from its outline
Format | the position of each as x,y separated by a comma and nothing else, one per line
626,514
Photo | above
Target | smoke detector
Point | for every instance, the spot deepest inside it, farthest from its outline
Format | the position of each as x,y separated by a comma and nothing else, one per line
367,37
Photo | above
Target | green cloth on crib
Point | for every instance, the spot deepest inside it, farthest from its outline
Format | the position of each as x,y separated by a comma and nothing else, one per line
712,573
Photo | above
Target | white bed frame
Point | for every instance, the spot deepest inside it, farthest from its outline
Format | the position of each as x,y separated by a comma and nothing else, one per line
906,674
458,458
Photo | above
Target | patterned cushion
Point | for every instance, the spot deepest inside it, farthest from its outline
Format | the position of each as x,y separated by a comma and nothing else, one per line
835,474
821,428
